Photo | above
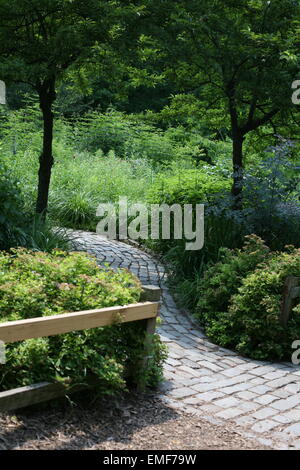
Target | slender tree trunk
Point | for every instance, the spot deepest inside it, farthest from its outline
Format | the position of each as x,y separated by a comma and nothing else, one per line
237,150
238,168
47,98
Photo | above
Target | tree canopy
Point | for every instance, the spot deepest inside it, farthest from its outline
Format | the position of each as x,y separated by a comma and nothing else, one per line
238,58
42,40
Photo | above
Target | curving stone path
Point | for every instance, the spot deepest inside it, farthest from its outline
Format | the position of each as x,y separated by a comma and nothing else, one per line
260,399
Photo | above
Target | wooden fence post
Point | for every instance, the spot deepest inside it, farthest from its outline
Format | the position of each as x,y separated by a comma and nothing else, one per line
149,294
290,293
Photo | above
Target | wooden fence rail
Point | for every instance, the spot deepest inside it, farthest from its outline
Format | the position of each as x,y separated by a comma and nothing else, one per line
147,310
20,330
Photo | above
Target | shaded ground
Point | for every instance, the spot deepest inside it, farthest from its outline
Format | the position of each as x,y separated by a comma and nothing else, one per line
131,423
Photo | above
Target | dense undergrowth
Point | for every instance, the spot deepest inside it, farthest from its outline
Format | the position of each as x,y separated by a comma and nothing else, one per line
240,298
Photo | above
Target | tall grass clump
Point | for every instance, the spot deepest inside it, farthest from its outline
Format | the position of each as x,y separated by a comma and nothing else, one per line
81,183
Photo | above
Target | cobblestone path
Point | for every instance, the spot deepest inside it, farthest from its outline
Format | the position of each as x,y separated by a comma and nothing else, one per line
260,399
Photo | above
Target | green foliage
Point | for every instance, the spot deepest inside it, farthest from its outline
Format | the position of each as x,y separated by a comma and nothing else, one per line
74,199
239,301
231,64
206,185
130,137
59,282
17,227
42,42
12,217
82,179
271,210
224,278
105,131
189,186
188,267
271,197
42,236
38,284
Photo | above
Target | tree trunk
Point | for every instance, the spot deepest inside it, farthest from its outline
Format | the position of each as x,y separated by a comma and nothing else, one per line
47,98
238,168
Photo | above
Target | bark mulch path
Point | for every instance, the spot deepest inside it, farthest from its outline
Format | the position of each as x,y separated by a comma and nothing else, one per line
128,423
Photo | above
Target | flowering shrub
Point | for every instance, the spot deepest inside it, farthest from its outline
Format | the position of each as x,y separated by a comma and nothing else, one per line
240,301
36,284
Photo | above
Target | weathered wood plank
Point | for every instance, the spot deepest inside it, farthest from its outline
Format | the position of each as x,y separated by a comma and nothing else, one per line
33,394
2,92
30,395
53,325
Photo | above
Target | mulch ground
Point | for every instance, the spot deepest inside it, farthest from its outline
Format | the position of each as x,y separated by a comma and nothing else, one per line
128,423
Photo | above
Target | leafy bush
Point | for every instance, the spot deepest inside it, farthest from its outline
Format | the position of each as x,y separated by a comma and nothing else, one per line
240,301
188,186
12,218
224,278
38,284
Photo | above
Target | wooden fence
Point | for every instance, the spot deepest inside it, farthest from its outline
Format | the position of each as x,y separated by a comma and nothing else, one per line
147,310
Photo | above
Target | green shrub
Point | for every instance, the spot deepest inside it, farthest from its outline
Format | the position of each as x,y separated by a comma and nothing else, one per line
38,284
12,217
188,186
224,278
240,301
